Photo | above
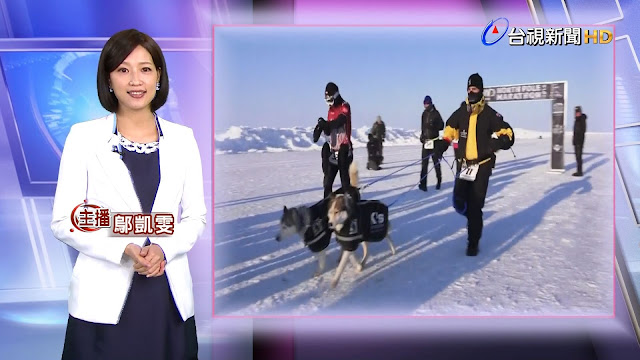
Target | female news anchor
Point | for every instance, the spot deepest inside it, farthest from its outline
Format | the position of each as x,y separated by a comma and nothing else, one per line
131,297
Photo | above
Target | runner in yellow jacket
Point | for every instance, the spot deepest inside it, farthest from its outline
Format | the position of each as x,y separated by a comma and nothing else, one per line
473,124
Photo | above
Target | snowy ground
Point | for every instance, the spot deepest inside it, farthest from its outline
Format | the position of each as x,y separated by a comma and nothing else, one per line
547,245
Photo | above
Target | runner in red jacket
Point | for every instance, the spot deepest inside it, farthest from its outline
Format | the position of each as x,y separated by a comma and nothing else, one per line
337,153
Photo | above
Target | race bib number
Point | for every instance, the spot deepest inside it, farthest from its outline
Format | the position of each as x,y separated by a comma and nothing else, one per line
428,145
469,173
333,158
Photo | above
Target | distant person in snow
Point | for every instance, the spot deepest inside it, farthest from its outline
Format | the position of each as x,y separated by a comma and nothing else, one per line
378,130
337,154
431,125
579,129
374,146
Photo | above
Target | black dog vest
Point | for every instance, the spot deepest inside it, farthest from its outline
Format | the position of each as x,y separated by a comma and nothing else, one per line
369,222
318,235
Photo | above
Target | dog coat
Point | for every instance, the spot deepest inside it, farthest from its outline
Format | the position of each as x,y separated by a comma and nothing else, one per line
318,235
369,222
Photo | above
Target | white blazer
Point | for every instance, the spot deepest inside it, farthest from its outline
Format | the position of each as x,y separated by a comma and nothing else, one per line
90,170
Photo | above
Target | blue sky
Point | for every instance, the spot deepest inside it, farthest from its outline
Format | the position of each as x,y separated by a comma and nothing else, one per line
275,76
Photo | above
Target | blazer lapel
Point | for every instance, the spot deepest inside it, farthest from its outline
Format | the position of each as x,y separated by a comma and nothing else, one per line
117,173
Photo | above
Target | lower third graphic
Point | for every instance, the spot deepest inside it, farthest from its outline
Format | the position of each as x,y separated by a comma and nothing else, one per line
87,217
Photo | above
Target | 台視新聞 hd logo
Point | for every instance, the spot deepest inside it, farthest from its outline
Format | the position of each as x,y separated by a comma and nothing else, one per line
541,36
495,31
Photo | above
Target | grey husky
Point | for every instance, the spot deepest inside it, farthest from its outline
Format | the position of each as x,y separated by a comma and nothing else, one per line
310,224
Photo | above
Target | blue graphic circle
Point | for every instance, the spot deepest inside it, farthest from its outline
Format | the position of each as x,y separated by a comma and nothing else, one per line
486,30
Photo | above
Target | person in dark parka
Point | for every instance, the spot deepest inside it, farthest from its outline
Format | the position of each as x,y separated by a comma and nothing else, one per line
379,130
579,129
374,145
431,125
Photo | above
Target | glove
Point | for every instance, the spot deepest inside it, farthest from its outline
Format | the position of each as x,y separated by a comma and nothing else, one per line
322,124
501,143
439,147
506,142
316,134
422,138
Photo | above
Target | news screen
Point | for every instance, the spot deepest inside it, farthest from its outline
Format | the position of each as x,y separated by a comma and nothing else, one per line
299,179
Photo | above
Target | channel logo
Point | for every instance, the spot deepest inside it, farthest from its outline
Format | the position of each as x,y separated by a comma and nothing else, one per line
495,31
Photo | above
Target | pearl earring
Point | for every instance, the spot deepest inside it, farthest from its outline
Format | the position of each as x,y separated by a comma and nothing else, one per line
110,89
157,86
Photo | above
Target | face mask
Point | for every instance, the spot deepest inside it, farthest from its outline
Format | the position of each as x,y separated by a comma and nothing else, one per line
474,97
329,99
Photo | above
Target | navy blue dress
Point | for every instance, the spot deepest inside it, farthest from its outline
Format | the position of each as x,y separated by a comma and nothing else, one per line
150,326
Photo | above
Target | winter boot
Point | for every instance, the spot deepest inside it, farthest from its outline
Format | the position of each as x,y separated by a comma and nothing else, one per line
472,248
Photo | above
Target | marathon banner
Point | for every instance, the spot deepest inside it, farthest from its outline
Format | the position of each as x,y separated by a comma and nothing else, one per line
518,92
539,91
558,108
